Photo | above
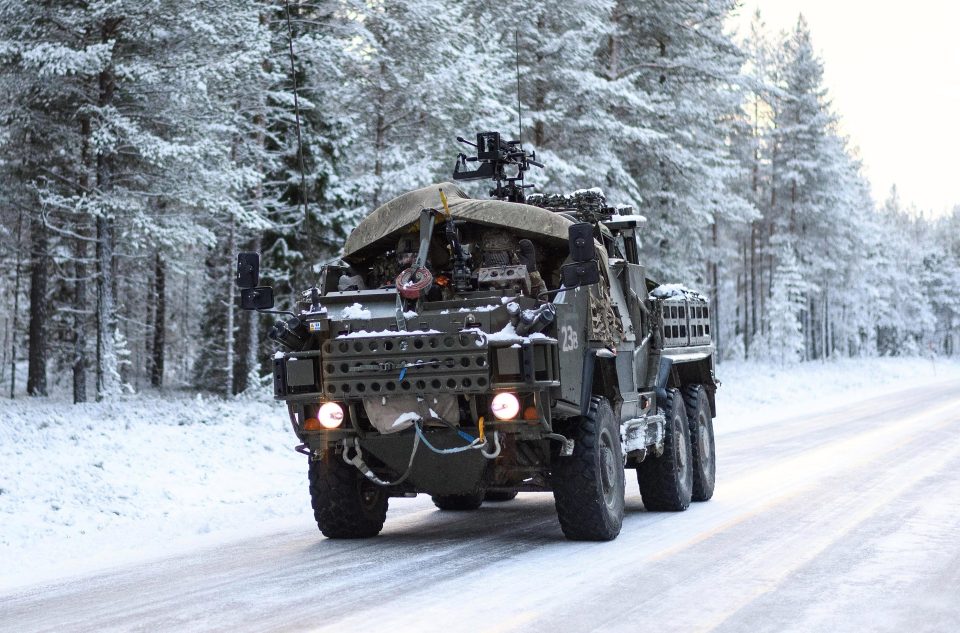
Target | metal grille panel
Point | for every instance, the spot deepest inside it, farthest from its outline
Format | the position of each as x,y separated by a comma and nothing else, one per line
386,365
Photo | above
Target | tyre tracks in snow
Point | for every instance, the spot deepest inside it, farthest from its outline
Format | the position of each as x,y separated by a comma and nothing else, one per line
818,522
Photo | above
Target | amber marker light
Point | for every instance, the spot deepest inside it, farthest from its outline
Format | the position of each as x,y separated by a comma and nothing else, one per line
505,406
330,415
531,413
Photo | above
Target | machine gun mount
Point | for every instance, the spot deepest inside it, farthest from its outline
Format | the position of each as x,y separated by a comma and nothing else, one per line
494,154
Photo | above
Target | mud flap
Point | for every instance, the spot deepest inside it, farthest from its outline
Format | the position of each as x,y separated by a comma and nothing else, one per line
663,376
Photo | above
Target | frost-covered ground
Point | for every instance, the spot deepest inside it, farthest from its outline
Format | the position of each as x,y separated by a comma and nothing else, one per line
753,394
89,486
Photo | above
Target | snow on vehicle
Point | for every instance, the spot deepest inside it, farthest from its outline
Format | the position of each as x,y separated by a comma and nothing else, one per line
473,349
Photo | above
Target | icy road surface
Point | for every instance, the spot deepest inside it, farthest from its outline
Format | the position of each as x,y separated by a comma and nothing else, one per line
842,521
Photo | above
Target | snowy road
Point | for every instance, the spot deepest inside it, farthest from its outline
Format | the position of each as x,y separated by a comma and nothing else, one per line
841,521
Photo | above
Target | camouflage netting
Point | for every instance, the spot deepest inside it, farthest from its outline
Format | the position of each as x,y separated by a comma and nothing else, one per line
589,204
605,325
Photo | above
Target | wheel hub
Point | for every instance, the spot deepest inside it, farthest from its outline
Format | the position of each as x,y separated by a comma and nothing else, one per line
704,442
681,450
608,469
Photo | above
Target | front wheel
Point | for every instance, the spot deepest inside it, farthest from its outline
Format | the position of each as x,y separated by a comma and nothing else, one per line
588,486
345,503
666,482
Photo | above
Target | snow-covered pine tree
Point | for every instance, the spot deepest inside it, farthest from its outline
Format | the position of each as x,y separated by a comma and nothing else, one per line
581,111
396,67
784,338
752,145
807,175
679,55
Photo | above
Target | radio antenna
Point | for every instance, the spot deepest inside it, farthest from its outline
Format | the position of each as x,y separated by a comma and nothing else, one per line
516,48
296,110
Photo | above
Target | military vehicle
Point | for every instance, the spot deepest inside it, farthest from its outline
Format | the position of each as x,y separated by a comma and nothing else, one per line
473,349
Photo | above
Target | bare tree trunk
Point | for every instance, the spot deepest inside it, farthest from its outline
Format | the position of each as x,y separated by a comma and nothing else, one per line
16,312
715,282
106,355
824,325
754,295
231,308
37,346
746,301
79,325
106,369
80,274
159,321
253,339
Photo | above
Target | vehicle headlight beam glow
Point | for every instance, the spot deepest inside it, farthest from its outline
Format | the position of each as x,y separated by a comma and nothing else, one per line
505,406
330,415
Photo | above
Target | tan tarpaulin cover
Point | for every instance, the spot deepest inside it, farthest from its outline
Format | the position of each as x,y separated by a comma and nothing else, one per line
403,211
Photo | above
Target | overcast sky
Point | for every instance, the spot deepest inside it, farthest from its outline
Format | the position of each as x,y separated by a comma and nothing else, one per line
893,72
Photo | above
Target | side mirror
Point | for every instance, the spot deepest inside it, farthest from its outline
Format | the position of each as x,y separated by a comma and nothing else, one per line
580,274
582,248
248,270
259,298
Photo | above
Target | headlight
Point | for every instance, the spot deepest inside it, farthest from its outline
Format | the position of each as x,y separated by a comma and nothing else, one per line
505,406
330,415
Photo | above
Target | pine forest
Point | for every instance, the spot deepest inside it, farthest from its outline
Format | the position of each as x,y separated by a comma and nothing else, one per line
143,144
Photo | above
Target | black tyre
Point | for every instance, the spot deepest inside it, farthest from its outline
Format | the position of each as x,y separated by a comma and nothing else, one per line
588,486
666,482
345,503
702,444
458,502
500,495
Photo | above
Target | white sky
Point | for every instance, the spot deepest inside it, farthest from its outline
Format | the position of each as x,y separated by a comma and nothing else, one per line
893,73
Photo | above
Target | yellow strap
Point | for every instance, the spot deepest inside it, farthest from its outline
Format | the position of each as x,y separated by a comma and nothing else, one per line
480,424
446,207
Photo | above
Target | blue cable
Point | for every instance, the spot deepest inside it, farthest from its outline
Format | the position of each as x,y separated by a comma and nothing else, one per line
444,451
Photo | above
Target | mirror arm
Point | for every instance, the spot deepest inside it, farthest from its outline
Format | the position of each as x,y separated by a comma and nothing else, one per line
265,311
547,293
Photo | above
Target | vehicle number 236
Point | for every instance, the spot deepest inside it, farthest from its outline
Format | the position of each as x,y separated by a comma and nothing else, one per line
568,339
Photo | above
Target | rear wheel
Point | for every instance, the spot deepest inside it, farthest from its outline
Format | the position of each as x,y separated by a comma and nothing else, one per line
345,503
500,495
588,486
458,502
703,447
666,482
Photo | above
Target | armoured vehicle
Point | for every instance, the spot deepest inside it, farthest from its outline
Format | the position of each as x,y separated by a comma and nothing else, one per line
473,349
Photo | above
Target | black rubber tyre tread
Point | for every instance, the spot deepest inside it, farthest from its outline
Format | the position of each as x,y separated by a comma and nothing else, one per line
458,503
337,492
704,473
499,496
661,487
577,480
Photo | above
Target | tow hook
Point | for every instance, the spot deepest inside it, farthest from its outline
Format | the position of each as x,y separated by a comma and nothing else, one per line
566,445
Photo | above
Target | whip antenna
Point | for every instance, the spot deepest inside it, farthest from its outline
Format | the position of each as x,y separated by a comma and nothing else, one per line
296,110
516,49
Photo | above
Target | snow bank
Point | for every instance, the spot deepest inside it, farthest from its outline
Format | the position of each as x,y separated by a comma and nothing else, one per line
753,394
86,486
